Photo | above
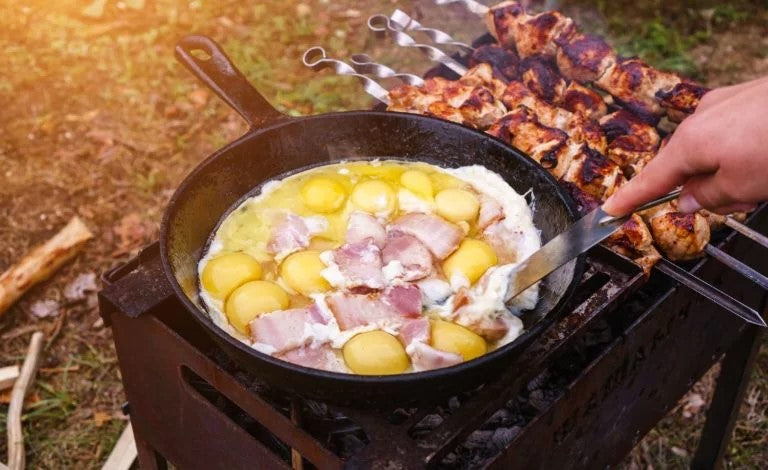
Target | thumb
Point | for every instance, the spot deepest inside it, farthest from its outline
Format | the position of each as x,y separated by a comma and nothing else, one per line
705,191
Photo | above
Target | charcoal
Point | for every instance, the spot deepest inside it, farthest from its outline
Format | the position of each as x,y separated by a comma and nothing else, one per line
538,380
429,422
454,404
478,439
501,417
503,436
537,400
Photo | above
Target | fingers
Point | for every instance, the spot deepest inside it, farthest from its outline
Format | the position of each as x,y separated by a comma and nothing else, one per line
721,94
662,174
740,207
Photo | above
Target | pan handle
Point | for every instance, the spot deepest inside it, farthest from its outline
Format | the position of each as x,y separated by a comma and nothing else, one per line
203,57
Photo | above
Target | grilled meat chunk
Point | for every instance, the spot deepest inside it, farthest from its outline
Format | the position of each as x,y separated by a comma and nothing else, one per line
681,100
579,128
582,100
593,173
503,62
472,100
529,34
681,236
622,123
584,57
549,146
540,75
634,84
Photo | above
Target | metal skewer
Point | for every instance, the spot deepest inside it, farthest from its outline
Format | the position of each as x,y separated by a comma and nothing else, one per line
746,231
363,63
708,291
737,266
437,36
382,24
317,59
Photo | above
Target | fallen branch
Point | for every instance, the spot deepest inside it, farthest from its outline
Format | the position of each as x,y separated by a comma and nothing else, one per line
16,454
42,261
124,452
8,376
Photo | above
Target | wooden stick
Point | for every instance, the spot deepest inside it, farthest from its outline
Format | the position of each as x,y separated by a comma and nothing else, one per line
42,261
23,383
8,376
124,452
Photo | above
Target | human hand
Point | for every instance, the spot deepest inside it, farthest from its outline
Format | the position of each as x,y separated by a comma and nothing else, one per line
719,155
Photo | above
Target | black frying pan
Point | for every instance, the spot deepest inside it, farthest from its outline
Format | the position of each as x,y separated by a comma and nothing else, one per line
277,145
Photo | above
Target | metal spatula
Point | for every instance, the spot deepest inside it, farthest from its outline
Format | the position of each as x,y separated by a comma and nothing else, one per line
590,230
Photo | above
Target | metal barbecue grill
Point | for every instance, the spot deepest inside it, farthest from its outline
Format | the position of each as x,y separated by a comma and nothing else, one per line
581,396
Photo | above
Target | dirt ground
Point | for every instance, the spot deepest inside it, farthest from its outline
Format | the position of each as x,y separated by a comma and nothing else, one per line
98,120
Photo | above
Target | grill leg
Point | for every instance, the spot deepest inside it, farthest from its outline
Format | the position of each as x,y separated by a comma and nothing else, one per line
149,458
735,371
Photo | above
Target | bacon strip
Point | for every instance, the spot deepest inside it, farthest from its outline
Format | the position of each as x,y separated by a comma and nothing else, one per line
410,253
294,233
360,264
285,329
362,226
417,330
439,236
425,357
393,304
321,357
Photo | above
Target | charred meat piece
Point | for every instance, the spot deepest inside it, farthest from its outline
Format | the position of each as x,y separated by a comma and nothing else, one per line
681,100
481,108
634,84
529,34
579,128
628,151
680,236
593,173
584,57
550,147
584,101
586,131
444,111
540,75
622,123
482,75
504,62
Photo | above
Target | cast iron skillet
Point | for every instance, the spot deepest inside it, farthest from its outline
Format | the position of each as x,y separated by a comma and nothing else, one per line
277,145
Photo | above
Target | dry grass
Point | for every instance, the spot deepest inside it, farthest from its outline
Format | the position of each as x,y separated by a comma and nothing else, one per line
99,120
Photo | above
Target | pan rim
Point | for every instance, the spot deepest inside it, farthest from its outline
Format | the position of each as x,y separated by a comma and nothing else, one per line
348,378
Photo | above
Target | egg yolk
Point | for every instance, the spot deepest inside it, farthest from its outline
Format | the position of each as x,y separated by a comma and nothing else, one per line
302,272
450,337
471,259
224,273
251,300
418,183
322,194
457,205
375,353
374,196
